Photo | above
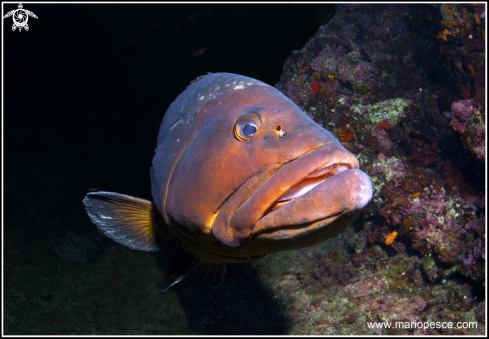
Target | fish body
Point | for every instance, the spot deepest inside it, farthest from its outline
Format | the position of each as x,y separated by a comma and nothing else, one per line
239,172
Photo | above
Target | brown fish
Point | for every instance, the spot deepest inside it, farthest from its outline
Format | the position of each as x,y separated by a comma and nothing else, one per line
240,171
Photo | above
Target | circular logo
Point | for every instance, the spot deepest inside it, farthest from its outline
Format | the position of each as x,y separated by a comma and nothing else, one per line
20,17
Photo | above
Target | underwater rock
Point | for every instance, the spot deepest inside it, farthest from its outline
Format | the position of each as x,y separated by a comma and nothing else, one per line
384,79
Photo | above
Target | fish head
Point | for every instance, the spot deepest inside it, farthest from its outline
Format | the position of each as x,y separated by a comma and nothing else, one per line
251,173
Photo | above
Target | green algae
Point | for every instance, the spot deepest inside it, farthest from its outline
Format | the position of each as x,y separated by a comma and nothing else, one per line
389,110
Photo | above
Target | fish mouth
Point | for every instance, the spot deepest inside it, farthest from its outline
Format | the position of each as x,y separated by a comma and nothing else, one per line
326,178
308,183
323,208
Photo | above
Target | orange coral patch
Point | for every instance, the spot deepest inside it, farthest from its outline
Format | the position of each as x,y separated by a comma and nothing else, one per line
477,20
315,87
408,223
464,90
346,136
448,10
445,33
383,125
390,238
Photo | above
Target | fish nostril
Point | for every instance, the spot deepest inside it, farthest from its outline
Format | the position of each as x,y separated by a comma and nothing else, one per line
279,131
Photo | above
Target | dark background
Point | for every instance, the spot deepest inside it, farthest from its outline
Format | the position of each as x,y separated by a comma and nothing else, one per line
89,84
85,90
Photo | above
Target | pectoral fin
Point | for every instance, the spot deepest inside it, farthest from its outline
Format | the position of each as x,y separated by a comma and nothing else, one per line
212,274
132,222
176,262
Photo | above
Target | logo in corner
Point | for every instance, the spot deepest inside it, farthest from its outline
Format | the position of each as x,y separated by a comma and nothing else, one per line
20,16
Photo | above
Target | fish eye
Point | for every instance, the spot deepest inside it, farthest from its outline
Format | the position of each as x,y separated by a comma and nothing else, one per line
249,129
246,126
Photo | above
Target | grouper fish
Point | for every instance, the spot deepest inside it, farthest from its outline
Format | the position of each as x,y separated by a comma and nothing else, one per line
239,172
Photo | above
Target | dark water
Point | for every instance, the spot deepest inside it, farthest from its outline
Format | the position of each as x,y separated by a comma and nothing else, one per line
85,90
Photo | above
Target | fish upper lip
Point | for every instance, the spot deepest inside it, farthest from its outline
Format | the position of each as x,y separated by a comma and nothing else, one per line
312,180
338,160
330,157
